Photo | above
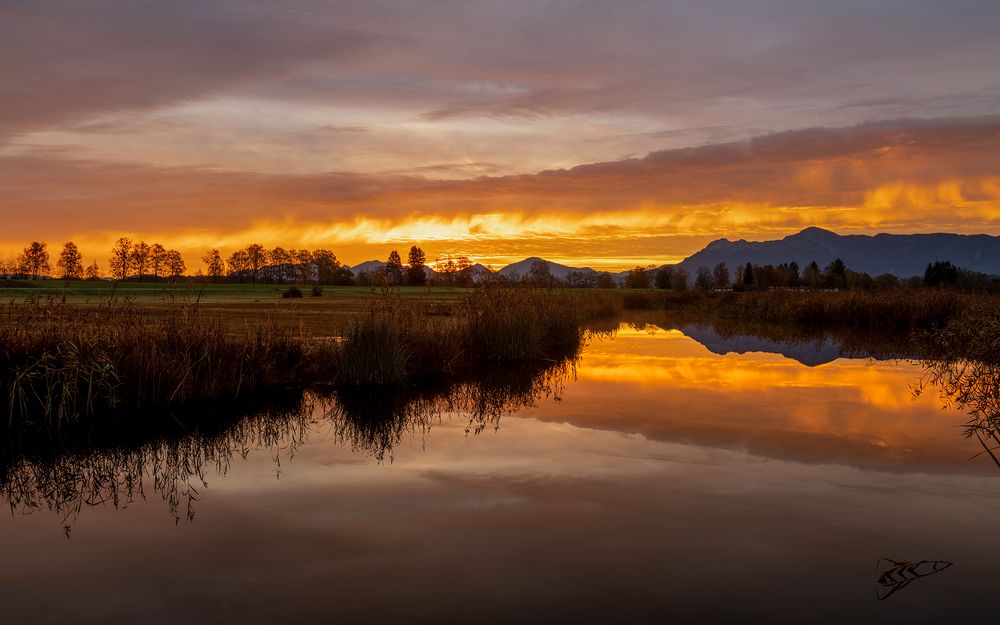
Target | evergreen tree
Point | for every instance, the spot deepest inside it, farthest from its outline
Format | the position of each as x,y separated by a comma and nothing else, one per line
415,274
703,280
721,274
663,277
393,270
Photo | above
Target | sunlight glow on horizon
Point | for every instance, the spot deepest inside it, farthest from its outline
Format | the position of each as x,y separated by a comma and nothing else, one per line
610,240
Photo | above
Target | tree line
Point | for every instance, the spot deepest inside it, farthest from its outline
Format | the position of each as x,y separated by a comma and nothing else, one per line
139,260
127,260
835,276
255,263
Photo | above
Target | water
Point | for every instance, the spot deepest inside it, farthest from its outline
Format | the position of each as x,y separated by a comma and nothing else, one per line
661,479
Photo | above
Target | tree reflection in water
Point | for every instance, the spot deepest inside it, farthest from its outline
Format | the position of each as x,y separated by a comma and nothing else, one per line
63,473
972,386
966,374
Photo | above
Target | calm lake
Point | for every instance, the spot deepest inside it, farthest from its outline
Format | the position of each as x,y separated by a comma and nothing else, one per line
666,476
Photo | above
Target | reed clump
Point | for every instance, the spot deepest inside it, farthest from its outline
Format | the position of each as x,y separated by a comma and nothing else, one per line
60,362
397,341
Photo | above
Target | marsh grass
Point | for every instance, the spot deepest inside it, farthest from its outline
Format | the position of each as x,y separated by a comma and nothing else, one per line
60,362
399,341
899,310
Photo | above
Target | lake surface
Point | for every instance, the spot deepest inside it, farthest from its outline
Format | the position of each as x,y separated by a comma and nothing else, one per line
658,479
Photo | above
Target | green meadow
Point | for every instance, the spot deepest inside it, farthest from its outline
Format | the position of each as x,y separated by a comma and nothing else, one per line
83,291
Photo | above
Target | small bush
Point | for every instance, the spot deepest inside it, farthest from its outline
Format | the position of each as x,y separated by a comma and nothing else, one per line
292,293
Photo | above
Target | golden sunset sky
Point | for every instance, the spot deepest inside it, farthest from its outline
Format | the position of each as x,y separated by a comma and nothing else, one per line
600,133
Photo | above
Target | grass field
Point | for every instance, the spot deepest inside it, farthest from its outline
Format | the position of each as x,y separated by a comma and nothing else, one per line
94,291
239,305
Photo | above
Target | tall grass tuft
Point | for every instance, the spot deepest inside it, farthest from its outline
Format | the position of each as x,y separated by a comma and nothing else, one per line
374,351
395,340
398,341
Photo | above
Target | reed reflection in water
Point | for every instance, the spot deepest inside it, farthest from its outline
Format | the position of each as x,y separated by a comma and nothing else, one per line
66,475
972,386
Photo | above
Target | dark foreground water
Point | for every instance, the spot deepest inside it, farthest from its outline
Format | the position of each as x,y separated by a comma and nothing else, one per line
662,480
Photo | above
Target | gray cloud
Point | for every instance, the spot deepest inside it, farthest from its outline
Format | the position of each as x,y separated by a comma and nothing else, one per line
66,61
770,63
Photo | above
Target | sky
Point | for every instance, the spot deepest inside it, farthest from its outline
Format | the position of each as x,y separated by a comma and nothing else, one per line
599,133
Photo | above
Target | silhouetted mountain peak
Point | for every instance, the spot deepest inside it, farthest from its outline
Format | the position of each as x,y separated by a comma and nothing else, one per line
814,232
718,244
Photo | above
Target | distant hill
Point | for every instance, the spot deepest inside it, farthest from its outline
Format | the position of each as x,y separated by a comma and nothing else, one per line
369,266
901,254
521,268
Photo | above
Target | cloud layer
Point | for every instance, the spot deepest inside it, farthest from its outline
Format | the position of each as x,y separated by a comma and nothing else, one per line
495,129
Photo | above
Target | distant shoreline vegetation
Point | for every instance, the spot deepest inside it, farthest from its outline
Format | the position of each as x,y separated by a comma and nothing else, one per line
255,264
60,361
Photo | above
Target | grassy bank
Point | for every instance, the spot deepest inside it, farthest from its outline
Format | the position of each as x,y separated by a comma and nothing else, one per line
395,341
60,361
98,291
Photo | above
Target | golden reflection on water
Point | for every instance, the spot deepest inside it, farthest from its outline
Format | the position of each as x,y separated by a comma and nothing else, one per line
659,384
666,386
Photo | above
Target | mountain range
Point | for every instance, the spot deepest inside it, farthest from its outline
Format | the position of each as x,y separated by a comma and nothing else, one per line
903,255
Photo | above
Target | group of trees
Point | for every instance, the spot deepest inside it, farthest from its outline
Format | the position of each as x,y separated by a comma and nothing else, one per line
255,263
128,260
749,276
143,261
943,274
34,262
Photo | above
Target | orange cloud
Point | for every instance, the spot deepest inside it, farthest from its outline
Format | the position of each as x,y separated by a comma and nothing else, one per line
901,176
